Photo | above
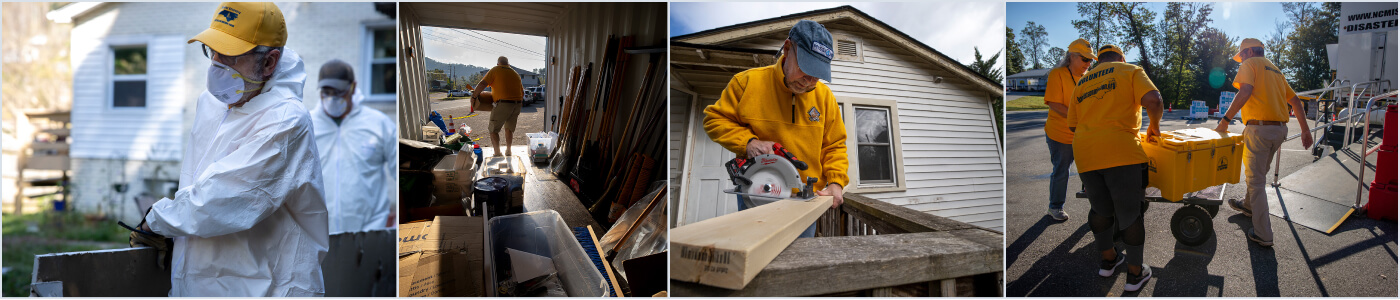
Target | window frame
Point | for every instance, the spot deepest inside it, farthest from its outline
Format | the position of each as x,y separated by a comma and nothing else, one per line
112,76
849,105
366,76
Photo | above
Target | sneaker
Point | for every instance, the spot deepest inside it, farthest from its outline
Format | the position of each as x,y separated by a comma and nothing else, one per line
1135,282
1106,268
1237,204
1257,239
1057,214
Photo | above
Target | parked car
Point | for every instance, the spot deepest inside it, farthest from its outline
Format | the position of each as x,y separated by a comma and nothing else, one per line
533,94
459,93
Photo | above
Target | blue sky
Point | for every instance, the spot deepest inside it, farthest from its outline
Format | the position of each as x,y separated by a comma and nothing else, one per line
957,27
1237,19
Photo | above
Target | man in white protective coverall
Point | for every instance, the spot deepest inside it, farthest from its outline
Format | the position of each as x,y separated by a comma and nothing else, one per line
359,153
249,218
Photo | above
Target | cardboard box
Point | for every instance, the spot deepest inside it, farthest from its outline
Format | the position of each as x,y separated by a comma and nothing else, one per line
1190,160
442,258
452,179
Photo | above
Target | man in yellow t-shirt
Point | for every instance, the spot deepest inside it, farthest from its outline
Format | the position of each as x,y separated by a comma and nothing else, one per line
1058,137
785,103
507,93
1105,115
1262,98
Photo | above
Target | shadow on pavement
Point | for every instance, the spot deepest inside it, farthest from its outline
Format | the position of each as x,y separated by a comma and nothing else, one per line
1185,275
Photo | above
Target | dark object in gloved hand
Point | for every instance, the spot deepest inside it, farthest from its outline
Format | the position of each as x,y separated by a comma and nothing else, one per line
144,238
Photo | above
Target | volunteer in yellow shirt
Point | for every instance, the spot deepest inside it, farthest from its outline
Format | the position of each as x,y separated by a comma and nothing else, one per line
507,93
1263,93
785,103
1105,115
1058,137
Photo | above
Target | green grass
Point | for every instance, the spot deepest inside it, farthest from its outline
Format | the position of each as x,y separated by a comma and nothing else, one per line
49,232
1027,103
454,98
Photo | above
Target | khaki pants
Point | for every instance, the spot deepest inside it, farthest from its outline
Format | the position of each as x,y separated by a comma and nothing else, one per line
1261,142
504,114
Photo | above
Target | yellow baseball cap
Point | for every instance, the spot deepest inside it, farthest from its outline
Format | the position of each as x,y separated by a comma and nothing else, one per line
240,26
1107,48
1246,44
1081,46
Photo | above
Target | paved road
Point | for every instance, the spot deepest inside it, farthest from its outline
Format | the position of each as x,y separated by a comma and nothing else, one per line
1048,258
528,121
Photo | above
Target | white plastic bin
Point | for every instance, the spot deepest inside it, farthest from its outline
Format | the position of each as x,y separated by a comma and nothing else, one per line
544,233
541,144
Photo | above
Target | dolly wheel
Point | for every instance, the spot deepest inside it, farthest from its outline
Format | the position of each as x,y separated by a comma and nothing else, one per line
1212,209
1191,225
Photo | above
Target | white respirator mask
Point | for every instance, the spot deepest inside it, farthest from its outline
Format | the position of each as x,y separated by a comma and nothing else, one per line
335,106
226,84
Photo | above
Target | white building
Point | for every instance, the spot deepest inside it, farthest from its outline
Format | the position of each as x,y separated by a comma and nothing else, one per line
943,156
1030,80
135,81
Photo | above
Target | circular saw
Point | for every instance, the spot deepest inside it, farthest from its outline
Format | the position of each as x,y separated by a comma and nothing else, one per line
770,177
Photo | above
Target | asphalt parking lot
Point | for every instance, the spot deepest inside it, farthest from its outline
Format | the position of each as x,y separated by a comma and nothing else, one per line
530,119
1049,258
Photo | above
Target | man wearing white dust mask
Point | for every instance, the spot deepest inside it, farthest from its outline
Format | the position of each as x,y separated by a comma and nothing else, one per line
359,153
249,218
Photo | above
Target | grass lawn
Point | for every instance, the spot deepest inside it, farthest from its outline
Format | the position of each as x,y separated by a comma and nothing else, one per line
49,232
1027,103
455,98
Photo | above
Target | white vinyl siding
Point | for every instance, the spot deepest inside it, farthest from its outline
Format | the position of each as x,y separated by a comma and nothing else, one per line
952,164
151,131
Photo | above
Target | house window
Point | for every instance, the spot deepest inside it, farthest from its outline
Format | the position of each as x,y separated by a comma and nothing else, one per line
873,146
383,62
129,76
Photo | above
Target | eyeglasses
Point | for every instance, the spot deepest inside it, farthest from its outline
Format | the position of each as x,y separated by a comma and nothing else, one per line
211,54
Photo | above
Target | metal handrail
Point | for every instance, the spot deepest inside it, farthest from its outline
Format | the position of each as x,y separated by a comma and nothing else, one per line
1351,104
1361,171
1334,86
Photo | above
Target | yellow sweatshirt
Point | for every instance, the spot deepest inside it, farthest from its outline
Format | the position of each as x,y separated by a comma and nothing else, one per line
757,104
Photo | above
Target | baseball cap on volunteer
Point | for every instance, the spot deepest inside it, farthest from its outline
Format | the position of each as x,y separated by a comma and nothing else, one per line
814,48
1081,46
239,26
1110,47
1246,44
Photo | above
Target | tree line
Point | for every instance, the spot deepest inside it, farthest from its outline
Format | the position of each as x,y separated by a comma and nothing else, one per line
1181,50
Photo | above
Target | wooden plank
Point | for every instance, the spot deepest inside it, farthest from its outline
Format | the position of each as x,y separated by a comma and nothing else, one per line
828,265
128,272
890,218
729,251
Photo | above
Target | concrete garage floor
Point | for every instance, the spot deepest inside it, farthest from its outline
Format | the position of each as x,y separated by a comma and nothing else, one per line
530,120
1049,258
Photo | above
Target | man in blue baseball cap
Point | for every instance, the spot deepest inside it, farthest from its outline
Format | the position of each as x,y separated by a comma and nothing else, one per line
785,103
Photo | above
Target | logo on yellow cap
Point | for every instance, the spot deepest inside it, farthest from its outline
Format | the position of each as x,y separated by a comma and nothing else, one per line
229,15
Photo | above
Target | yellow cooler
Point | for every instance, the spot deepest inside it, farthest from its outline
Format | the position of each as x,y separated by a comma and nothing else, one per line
1189,160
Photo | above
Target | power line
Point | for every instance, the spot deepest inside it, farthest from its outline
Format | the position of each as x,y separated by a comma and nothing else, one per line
437,36
499,41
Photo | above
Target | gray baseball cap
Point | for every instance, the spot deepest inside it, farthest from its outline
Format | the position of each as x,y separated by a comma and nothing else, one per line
814,48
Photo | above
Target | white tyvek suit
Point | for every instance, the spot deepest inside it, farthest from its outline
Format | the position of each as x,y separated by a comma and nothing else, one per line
359,160
249,218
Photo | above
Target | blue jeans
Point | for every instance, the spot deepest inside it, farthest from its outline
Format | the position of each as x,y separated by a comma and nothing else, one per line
810,232
1061,156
